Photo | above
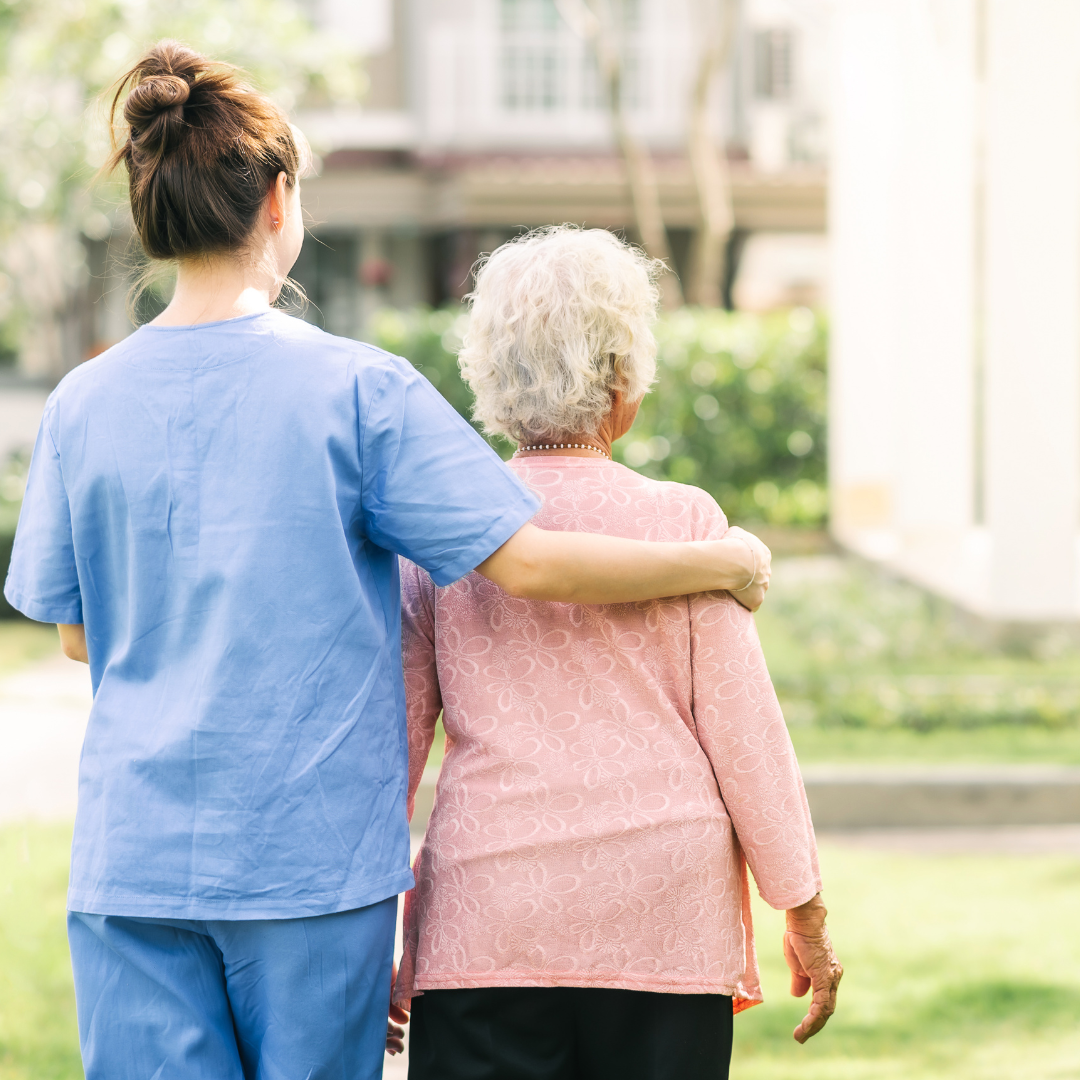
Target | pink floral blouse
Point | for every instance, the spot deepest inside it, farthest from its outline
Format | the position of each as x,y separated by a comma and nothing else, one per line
609,771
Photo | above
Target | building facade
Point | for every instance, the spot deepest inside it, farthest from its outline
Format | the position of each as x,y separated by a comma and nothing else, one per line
486,117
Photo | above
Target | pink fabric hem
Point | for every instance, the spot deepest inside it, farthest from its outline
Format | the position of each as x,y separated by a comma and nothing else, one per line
462,981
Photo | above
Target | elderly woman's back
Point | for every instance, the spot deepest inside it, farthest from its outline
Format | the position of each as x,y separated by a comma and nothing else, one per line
581,909
606,769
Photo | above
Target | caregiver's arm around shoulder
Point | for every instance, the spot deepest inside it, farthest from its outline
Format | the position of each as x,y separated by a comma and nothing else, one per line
73,641
586,568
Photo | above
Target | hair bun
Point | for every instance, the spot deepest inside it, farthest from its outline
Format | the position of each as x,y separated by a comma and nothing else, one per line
154,109
155,94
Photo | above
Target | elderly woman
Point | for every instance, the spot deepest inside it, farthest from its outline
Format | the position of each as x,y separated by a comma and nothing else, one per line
581,907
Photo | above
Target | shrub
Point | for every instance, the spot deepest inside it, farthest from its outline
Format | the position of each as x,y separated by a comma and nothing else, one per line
851,647
12,482
738,407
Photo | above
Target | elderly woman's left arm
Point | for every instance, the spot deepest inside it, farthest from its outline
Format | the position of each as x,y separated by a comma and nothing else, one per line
741,729
423,698
423,704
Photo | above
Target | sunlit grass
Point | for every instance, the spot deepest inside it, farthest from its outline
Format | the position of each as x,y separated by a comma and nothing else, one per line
38,1034
957,968
998,745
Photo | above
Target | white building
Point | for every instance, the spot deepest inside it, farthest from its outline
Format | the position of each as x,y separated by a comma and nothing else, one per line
485,117
955,368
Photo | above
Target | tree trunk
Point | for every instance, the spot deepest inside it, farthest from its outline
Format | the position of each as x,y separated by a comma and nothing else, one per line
707,160
593,20
645,197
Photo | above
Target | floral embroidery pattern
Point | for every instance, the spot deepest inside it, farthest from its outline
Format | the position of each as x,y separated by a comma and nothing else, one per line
609,771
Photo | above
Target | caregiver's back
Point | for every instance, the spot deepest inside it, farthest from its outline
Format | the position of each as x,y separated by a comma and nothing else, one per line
218,501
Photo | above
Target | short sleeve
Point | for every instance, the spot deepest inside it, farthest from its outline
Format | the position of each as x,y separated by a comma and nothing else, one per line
433,490
43,581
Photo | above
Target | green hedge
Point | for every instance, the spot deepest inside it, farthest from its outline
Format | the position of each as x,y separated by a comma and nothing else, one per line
12,481
738,408
850,647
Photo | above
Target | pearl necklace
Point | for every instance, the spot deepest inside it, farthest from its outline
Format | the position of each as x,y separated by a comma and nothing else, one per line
563,446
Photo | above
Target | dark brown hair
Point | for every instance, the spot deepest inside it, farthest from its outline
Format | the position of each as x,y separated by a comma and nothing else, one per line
203,150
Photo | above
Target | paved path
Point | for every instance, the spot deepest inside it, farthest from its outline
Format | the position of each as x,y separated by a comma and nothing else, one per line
43,711
962,840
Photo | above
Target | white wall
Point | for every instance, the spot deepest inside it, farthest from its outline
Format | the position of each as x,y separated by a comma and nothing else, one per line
1032,300
955,373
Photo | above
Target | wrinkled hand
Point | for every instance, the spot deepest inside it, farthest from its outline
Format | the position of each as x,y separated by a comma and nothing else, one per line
809,954
395,1033
754,594
395,1038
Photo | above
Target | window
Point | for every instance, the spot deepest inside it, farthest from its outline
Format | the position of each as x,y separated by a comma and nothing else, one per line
532,62
773,64
529,15
531,77
545,67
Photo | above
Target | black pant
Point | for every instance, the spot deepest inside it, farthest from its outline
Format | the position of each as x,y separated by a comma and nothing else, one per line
567,1033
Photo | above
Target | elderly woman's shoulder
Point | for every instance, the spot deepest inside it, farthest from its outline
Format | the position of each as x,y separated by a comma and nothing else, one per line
691,504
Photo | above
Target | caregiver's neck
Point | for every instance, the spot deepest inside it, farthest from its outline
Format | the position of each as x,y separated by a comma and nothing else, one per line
210,290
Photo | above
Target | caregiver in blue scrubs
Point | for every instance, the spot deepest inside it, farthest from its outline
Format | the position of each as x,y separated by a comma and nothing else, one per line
214,514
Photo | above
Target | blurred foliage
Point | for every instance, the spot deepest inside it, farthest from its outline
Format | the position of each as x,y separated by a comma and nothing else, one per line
13,474
738,407
12,485
56,58
850,647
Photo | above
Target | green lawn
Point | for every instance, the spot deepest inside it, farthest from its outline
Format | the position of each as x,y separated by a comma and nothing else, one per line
871,669
956,969
38,1036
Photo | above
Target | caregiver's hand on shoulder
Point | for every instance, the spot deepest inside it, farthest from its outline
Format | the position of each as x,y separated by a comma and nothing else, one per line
758,563
809,954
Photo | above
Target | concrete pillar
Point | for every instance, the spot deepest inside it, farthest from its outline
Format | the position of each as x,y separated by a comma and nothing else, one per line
955,371
1033,306
864,223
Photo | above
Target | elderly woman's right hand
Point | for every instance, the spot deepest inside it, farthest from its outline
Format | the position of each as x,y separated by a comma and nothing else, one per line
759,560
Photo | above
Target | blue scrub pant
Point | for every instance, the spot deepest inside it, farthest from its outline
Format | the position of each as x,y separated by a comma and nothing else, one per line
276,999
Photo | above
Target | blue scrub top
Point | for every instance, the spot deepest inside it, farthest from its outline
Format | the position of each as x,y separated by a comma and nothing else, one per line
221,506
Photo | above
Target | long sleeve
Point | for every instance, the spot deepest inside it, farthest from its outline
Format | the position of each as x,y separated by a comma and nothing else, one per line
742,731
423,701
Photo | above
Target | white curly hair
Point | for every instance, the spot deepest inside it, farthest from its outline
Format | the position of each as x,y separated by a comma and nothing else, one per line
560,319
